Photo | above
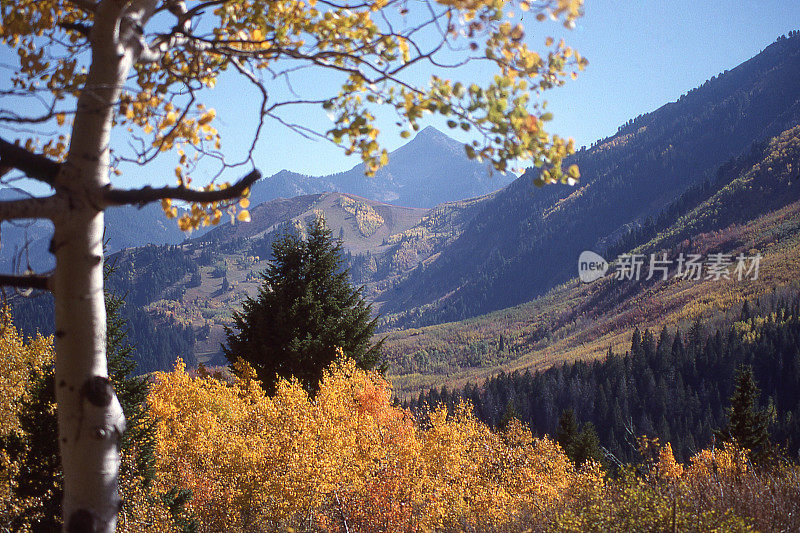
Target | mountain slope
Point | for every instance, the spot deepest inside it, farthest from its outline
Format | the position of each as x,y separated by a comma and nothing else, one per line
755,210
525,241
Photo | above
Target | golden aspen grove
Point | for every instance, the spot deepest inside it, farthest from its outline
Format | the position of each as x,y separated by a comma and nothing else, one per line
351,460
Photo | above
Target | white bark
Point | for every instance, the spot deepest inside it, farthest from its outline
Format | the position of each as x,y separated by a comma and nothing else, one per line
90,418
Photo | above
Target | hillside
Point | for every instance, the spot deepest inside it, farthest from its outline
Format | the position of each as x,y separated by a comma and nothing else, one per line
525,241
751,209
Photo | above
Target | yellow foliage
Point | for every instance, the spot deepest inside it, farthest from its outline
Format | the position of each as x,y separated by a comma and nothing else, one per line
667,467
143,511
367,219
19,360
709,466
349,455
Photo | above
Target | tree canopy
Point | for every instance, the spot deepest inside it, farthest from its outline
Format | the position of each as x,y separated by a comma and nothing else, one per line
305,312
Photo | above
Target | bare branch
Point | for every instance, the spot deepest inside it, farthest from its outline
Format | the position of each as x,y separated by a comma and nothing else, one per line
146,195
86,5
33,165
28,281
83,29
25,208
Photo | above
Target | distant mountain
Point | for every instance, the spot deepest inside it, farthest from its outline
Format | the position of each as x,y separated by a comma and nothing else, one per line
430,169
525,240
126,227
131,226
286,184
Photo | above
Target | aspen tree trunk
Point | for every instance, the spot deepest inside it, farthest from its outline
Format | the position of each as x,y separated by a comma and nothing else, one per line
90,419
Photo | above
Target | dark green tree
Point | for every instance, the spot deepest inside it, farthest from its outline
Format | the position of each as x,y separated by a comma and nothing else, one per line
747,423
509,414
579,446
304,311
567,432
586,446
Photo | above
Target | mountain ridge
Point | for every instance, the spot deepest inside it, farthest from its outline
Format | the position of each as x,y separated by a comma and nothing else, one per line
430,169
512,252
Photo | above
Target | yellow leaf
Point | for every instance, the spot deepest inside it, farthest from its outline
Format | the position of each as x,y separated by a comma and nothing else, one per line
243,216
170,119
207,117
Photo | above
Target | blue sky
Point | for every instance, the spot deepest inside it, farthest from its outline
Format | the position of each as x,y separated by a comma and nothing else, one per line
645,54
641,54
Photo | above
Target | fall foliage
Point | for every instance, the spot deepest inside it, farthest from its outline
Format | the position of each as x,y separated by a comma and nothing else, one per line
140,68
350,460
20,362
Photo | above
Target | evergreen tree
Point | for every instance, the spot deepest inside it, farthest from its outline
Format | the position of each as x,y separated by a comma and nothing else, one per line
567,432
305,310
747,424
586,446
746,313
579,446
510,413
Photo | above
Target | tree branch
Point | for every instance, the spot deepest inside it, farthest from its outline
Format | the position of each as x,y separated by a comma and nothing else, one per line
33,165
87,5
146,195
46,207
83,29
28,281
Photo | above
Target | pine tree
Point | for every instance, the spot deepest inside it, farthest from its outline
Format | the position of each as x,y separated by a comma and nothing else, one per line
747,424
567,432
636,343
746,313
510,413
579,446
586,446
305,310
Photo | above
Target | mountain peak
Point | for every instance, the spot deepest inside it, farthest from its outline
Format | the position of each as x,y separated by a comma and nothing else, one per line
431,133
